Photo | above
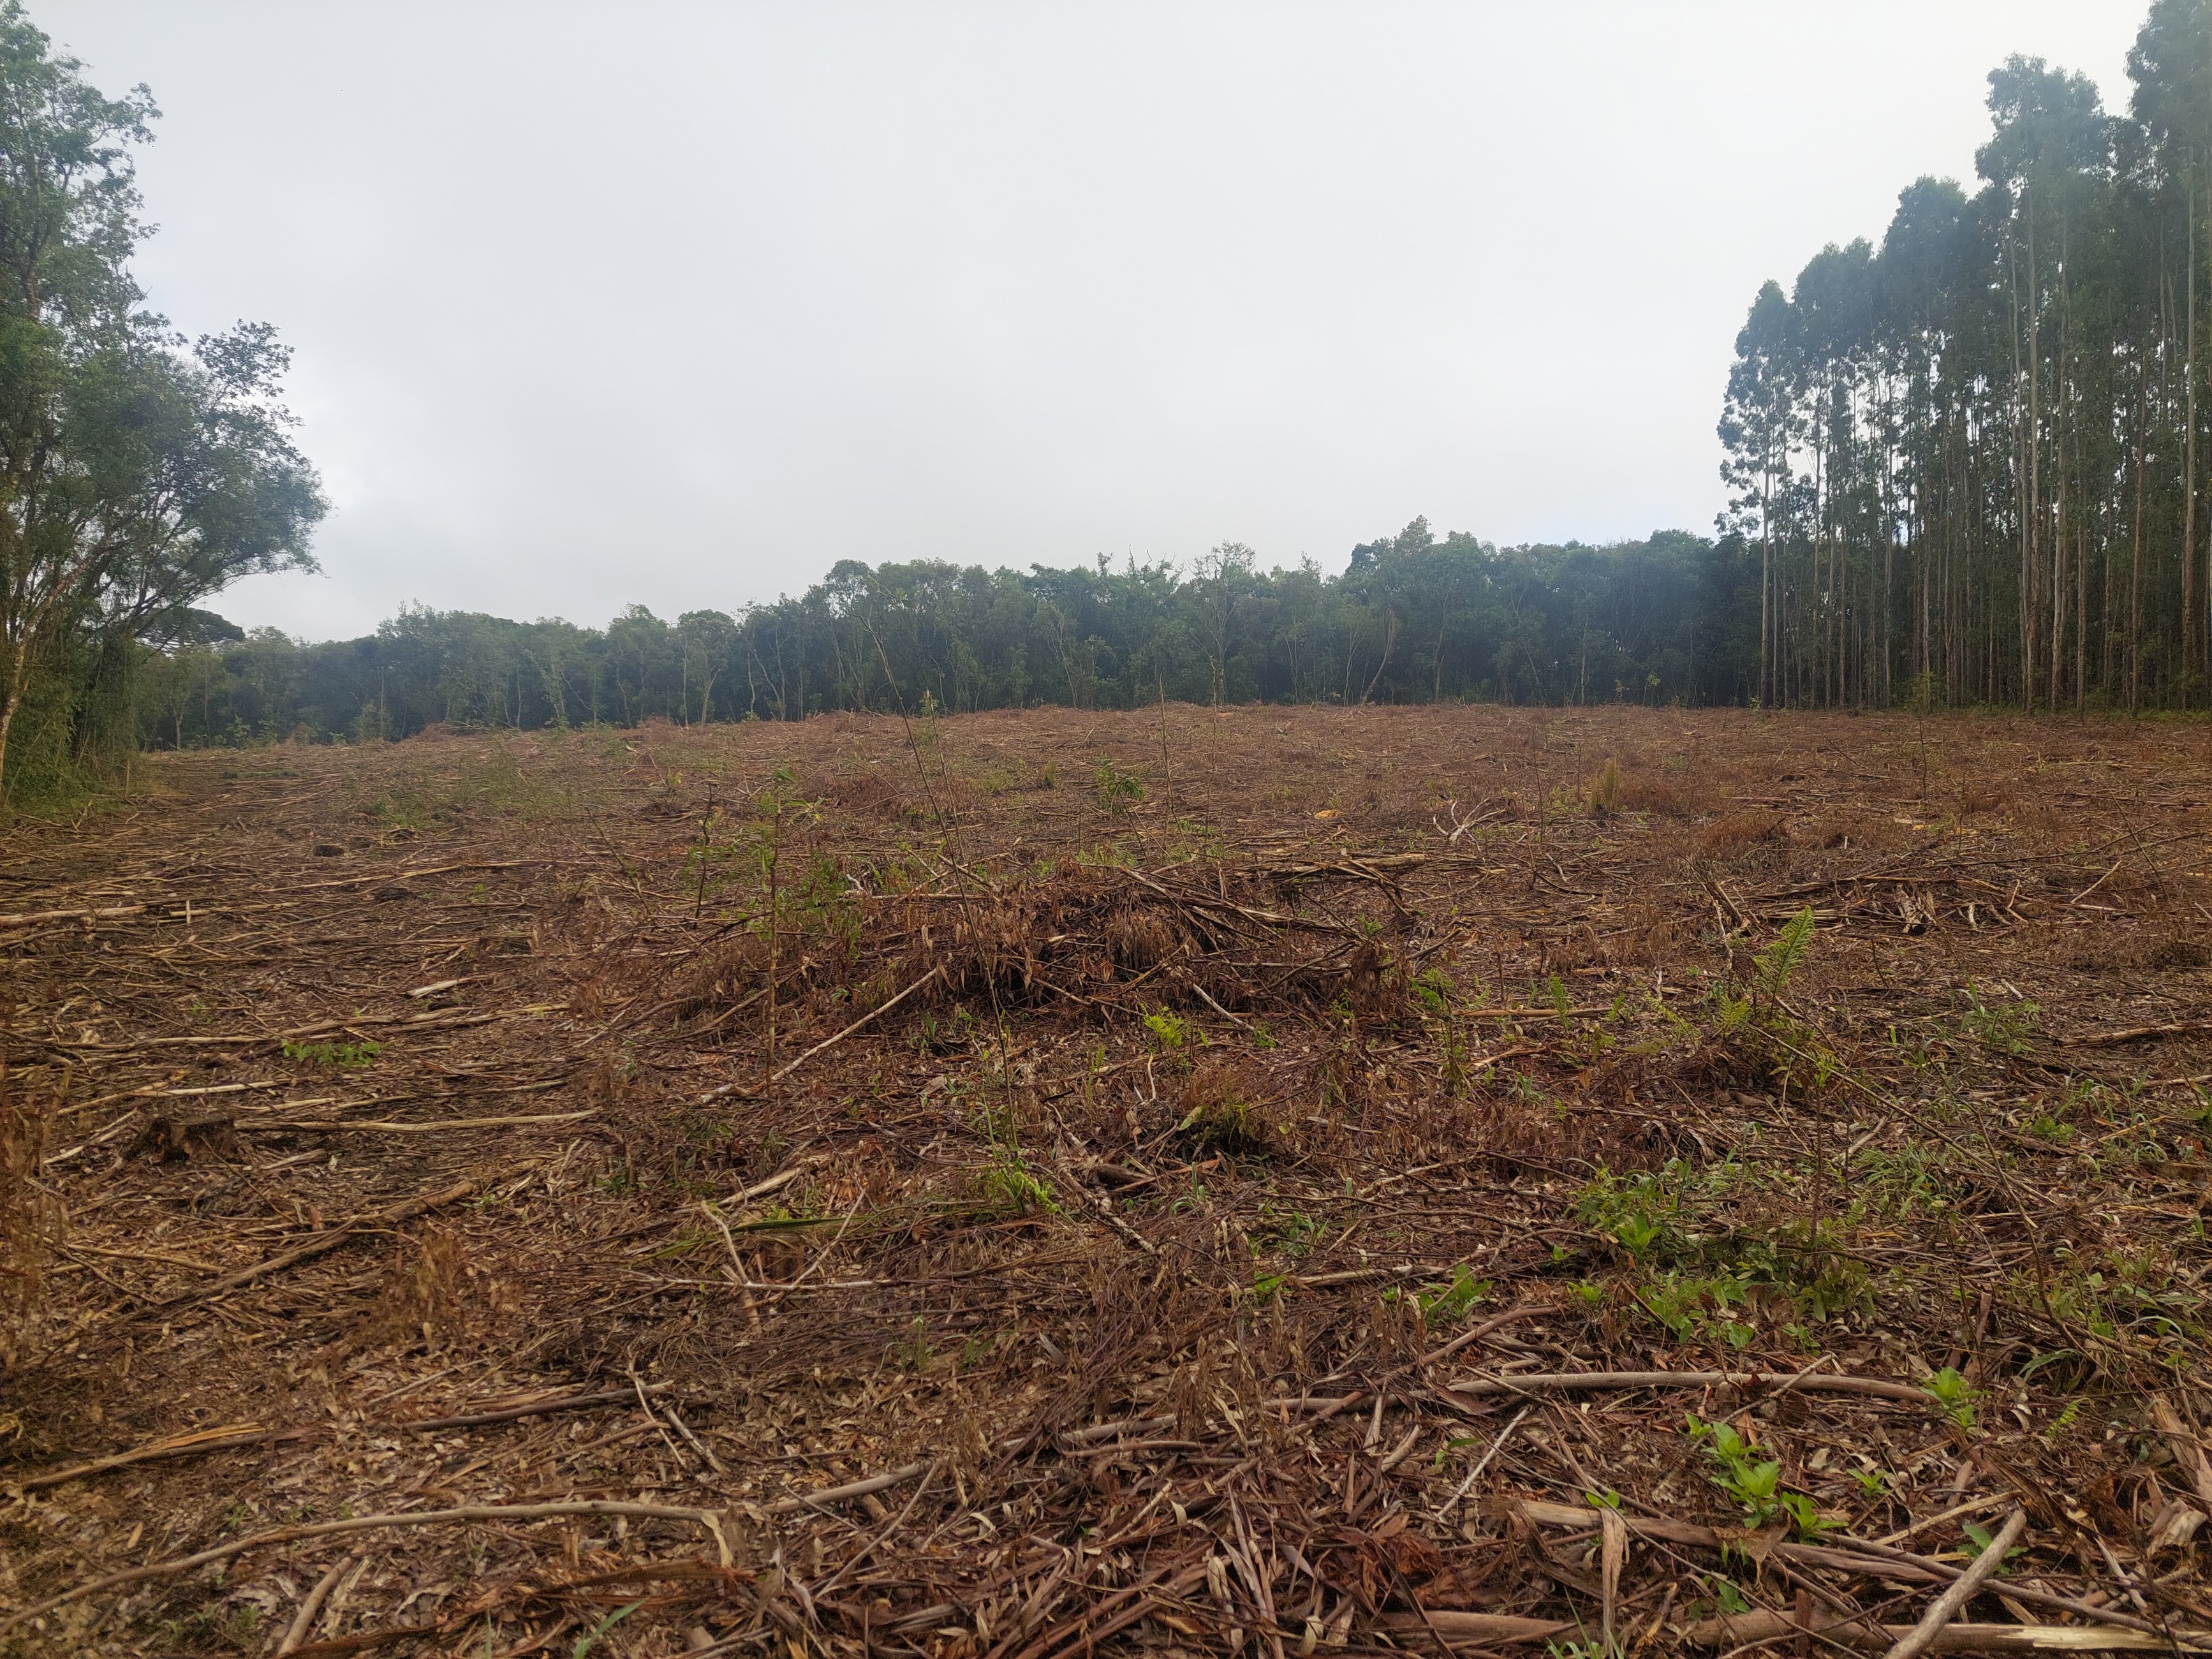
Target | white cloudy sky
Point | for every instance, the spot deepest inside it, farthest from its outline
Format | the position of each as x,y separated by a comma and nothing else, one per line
679,304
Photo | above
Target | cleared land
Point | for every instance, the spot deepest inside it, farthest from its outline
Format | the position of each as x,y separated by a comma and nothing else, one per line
1284,1146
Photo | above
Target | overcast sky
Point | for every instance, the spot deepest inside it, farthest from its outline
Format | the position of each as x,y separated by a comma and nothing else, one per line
679,304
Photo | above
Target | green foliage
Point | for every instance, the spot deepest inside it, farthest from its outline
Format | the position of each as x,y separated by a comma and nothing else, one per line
1009,1186
1435,990
1170,1030
1754,1483
591,1637
1649,1213
1117,790
1784,954
140,477
1979,1540
1690,1305
1953,1394
969,639
335,1056
1292,1232
1447,1304
2002,1028
1673,1223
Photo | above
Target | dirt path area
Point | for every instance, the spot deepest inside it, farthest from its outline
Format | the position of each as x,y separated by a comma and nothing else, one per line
1284,1179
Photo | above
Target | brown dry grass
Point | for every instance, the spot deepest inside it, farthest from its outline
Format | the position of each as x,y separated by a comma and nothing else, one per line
1205,1101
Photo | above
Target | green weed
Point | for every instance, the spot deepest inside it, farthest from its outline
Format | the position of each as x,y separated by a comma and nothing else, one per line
1449,1303
1979,1540
1170,1030
1778,961
1117,790
1292,1232
1955,1394
590,1639
1009,1186
1756,1485
2002,1028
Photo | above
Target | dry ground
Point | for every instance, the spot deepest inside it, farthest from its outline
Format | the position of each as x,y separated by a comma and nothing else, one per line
1282,1138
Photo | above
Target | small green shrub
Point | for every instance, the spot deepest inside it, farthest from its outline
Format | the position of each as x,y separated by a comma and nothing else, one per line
1449,1303
1954,1395
1117,790
1170,1030
2002,1028
1757,1486
1008,1185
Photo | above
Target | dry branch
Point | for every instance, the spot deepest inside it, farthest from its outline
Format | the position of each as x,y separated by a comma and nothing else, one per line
1753,1629
186,1446
1743,1382
499,1513
391,1216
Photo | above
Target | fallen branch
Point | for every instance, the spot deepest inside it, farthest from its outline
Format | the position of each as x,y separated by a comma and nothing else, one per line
383,1126
305,1623
443,1019
1748,1630
566,1402
837,1494
2138,1034
32,918
490,1512
876,1012
1473,1628
187,1445
1946,1607
1843,1554
328,1241
1601,1381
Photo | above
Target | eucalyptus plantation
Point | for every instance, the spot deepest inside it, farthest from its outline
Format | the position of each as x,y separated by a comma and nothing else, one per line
1971,459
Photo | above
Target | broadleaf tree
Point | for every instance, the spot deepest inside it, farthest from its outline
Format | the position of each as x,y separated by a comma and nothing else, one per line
137,475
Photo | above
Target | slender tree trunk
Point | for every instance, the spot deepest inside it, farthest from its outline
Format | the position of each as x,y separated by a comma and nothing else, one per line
2135,563
11,699
2024,513
2032,599
1767,585
2188,462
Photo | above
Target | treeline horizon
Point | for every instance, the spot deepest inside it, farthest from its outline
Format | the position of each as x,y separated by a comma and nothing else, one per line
1964,467
1413,618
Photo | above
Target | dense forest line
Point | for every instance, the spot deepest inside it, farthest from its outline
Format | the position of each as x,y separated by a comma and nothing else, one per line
1413,618
1964,467
1976,451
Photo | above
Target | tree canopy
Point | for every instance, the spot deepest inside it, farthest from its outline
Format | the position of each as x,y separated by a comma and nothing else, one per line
1415,617
1970,459
137,475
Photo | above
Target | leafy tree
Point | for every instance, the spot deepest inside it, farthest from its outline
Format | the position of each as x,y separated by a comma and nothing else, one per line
137,477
